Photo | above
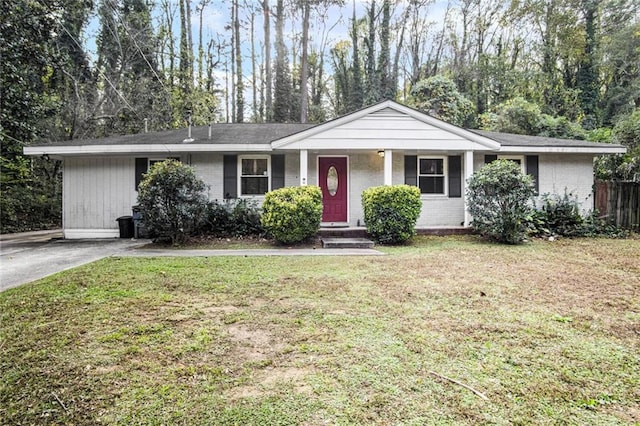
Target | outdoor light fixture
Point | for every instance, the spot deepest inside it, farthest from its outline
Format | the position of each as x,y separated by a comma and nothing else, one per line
381,154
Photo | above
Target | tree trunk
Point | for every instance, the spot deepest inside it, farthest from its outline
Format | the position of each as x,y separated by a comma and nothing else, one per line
304,64
254,104
239,76
267,63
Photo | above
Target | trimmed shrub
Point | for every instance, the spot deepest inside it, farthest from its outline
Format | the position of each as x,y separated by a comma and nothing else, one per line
291,215
232,218
499,196
391,212
173,201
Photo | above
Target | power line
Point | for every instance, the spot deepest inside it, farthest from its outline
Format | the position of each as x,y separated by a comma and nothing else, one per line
117,15
97,68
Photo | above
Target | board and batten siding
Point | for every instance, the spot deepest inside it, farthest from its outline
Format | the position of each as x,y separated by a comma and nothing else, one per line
96,192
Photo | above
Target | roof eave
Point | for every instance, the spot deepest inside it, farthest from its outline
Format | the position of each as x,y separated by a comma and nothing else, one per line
596,150
66,150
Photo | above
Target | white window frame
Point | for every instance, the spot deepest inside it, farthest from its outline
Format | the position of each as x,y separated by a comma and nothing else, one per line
515,157
444,175
240,176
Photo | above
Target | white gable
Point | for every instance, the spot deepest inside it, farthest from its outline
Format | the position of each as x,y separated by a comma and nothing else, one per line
387,126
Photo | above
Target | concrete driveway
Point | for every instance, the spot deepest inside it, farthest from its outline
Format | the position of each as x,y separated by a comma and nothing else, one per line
30,256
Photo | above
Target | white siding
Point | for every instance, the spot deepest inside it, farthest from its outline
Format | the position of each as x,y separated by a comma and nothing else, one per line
97,191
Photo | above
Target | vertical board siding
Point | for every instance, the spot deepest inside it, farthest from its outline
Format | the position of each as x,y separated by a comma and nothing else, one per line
97,191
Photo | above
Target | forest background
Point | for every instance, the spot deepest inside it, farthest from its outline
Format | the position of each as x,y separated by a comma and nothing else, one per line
78,69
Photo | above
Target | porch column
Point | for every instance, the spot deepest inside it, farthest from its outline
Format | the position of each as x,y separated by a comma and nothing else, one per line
468,171
304,167
388,167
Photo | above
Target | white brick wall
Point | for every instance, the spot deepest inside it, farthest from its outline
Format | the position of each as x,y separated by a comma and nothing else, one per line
557,172
209,167
570,173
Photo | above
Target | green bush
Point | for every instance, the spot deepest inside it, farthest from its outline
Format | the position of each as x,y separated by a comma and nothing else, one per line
292,215
232,218
499,196
391,212
173,201
559,215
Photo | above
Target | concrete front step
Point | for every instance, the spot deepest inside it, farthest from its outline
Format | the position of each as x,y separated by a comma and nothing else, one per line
346,243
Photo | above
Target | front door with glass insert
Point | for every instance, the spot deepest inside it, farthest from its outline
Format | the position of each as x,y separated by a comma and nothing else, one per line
332,178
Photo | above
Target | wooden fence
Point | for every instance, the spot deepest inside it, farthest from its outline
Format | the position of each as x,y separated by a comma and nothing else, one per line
619,202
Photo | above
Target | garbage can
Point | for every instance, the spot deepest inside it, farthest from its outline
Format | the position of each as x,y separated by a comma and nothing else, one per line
126,226
138,223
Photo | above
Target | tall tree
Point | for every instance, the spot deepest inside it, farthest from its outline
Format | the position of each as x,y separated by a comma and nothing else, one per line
383,71
238,54
282,95
304,62
587,77
268,83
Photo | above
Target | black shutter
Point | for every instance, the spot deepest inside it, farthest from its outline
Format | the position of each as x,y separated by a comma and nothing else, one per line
411,170
532,170
489,158
141,168
455,176
230,181
277,171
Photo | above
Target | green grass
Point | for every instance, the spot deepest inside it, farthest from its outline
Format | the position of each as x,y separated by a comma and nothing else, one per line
549,332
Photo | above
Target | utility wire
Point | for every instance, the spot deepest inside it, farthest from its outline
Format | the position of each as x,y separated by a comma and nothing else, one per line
98,69
117,15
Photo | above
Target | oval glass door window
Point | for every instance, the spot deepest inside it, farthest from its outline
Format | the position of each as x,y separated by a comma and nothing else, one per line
332,181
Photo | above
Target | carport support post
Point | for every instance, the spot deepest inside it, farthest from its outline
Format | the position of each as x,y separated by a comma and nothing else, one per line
468,171
304,167
388,167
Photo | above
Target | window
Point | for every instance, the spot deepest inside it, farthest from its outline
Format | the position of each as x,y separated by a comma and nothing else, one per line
254,175
431,175
518,159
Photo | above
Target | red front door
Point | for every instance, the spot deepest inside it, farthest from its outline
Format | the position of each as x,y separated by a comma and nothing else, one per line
332,178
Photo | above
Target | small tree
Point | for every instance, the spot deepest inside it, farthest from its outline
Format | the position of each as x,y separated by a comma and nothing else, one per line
391,212
291,215
499,196
172,199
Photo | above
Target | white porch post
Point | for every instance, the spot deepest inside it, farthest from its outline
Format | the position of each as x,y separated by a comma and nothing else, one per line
468,171
388,167
304,167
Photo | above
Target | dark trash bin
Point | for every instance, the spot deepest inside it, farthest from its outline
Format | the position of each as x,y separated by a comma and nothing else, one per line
126,226
138,223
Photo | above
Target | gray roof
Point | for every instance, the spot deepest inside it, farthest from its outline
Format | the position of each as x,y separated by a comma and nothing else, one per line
221,133
509,139
265,133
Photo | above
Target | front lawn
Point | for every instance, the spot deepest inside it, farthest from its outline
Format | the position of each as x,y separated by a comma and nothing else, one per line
549,332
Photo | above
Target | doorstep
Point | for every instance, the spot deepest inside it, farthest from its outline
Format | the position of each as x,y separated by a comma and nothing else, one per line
347,243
